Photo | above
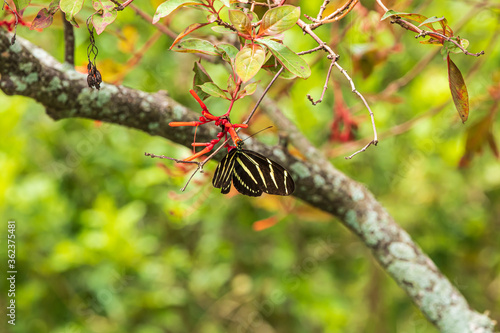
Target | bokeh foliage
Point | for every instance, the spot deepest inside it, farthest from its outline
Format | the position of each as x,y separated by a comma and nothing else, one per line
107,243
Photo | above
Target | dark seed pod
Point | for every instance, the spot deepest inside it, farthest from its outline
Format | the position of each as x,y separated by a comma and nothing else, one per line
98,77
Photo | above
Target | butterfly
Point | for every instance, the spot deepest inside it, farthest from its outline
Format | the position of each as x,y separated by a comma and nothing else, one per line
251,174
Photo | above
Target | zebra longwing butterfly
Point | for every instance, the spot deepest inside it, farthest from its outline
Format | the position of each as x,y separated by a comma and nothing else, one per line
251,174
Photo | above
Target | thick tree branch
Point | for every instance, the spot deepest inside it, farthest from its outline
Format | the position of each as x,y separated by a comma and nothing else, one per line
29,71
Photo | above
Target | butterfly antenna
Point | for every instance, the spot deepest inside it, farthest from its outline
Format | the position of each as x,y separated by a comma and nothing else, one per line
268,127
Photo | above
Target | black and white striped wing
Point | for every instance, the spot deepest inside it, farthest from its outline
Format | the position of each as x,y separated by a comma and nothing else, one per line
258,171
243,180
224,172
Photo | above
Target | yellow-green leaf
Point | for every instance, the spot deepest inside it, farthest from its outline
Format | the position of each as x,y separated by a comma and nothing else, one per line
289,59
195,45
70,7
249,61
213,90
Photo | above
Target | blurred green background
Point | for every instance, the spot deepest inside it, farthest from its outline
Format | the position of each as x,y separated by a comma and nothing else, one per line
106,242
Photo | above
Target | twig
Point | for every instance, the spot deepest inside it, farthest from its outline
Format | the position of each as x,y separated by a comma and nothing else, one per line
340,13
317,48
263,94
121,6
149,19
322,9
324,87
361,150
432,33
170,158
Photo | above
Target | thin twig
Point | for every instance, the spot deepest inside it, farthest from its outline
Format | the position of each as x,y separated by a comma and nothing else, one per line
121,6
322,9
199,166
170,158
433,33
338,14
149,19
263,94
317,48
324,87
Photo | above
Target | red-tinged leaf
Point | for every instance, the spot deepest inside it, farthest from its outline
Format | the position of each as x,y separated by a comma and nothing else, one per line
249,61
105,5
187,31
458,90
265,223
240,21
169,6
101,21
431,41
279,19
42,20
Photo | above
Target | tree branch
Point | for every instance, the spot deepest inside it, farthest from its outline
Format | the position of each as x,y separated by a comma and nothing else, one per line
29,71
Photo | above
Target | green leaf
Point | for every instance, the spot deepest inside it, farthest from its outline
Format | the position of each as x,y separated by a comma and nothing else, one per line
464,43
213,90
170,5
228,52
240,21
458,90
449,47
249,61
289,59
195,45
432,20
187,31
200,77
279,19
70,7
248,90
21,5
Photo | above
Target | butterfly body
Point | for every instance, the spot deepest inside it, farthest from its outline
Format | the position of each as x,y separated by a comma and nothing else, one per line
251,174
